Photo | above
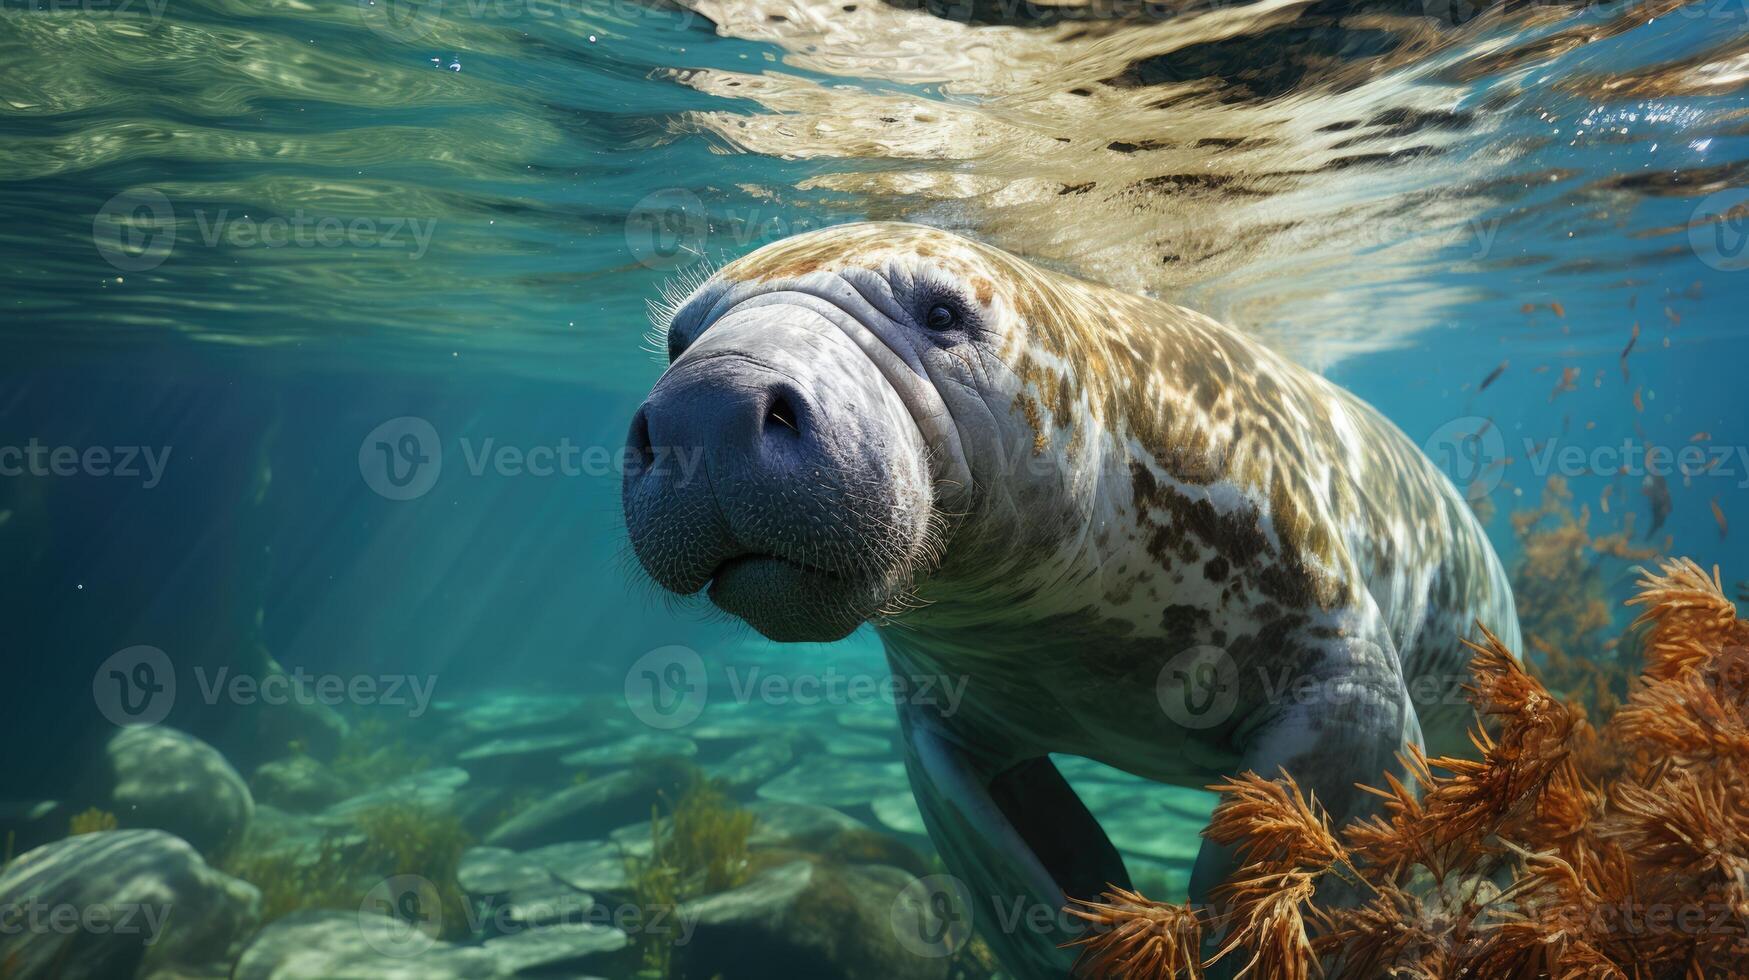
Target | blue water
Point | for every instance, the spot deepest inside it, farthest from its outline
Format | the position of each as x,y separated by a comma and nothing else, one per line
495,182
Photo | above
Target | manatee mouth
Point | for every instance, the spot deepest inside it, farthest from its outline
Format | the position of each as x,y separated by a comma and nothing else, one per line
739,582
787,599
757,564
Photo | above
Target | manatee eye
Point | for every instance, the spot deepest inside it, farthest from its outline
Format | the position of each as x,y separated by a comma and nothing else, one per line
941,317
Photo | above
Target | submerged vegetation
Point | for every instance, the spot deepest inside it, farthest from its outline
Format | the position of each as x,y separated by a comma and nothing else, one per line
1566,850
1563,599
699,849
391,839
90,821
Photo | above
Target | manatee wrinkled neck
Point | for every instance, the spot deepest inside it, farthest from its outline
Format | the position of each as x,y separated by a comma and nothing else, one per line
1029,552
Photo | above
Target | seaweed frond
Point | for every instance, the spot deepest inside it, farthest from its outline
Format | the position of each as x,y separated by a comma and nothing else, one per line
340,869
91,821
1688,718
699,848
1562,851
1687,617
1269,921
1133,936
1688,823
1270,822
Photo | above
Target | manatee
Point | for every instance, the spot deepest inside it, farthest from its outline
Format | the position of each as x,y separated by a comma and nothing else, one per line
1135,534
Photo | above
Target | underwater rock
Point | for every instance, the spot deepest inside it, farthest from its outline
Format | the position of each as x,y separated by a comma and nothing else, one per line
733,722
332,945
120,903
501,712
635,840
634,749
520,757
592,809
898,811
558,949
822,921
777,824
517,891
879,718
547,904
792,825
488,871
164,779
853,744
874,847
748,768
836,782
433,789
299,782
297,837
592,866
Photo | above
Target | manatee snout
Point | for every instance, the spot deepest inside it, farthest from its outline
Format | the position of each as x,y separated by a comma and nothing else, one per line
774,467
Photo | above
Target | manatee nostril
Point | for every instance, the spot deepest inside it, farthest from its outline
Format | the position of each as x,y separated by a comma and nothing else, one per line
782,411
638,449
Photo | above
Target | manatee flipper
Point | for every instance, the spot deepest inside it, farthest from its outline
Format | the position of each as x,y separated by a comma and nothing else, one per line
1015,835
1352,728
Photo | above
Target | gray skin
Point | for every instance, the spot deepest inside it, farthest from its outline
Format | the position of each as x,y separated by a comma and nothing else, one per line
1133,534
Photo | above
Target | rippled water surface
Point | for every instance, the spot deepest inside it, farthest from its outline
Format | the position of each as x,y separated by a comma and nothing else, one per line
252,233
1338,178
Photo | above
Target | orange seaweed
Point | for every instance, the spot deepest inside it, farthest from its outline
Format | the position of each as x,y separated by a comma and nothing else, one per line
1565,851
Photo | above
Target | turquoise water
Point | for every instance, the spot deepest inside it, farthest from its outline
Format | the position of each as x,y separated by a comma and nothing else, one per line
240,238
